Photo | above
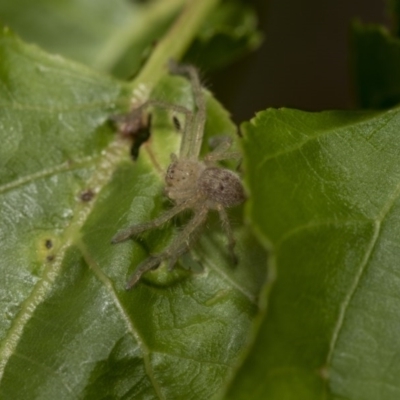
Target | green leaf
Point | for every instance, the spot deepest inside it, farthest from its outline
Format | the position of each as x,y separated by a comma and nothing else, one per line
118,36
107,35
375,56
376,65
67,185
324,194
229,32
376,61
394,12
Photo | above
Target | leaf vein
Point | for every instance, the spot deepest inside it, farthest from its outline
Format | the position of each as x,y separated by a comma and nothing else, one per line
125,315
318,135
102,174
374,240
63,167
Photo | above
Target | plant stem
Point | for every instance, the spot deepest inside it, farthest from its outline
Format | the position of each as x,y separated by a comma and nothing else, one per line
175,42
118,43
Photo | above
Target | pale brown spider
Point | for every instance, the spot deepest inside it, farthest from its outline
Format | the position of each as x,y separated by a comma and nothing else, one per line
196,185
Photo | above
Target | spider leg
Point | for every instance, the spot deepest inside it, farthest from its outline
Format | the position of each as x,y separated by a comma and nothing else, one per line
221,152
228,229
161,104
132,120
178,247
220,143
148,264
193,137
137,229
181,244
191,71
174,107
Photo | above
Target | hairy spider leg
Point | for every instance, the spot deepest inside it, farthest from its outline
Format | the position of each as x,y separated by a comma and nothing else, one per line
192,140
221,152
136,114
178,247
137,229
182,243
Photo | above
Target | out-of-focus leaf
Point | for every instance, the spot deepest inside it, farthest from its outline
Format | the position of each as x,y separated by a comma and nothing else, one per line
106,35
376,66
325,194
229,32
67,185
394,12
118,36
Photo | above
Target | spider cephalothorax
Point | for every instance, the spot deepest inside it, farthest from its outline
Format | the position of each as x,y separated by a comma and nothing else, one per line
194,184
181,179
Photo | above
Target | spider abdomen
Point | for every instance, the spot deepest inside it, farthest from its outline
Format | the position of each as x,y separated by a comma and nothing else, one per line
222,186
